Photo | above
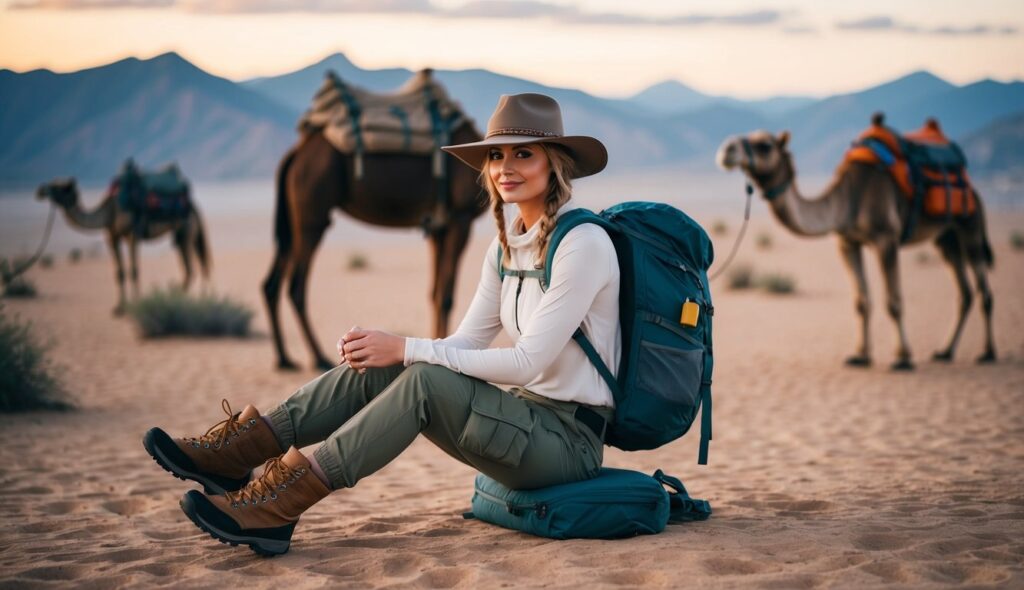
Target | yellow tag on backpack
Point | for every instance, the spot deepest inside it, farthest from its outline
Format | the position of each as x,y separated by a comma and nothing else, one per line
691,311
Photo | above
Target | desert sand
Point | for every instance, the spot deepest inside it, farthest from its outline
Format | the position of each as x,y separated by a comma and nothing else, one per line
819,475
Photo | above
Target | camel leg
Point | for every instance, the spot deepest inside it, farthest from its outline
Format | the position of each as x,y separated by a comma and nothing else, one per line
114,242
979,253
184,241
889,259
952,253
448,246
852,255
271,297
302,254
133,259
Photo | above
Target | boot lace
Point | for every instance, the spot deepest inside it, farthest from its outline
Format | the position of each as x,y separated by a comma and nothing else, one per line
276,477
222,432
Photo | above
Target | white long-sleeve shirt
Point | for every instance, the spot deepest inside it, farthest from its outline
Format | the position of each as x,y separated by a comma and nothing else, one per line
544,359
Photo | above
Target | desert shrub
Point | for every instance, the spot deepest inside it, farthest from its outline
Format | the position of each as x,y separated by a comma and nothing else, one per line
1017,240
75,255
26,375
719,227
46,261
764,241
923,257
358,261
777,283
172,312
741,277
20,287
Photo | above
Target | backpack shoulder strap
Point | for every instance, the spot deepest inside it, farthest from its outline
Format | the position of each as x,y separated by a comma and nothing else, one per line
565,223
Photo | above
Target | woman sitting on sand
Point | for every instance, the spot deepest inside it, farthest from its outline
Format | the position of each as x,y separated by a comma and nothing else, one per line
547,429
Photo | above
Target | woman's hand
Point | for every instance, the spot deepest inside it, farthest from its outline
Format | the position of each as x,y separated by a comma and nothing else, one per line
365,349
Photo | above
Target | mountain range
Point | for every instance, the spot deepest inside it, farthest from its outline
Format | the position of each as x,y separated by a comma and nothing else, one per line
86,123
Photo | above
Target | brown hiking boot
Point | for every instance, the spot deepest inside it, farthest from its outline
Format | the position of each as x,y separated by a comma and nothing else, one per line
264,513
222,459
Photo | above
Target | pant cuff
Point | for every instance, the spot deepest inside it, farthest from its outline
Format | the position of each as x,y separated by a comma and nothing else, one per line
284,430
330,462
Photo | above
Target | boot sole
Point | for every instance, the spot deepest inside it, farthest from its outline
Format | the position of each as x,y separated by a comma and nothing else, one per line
211,487
259,545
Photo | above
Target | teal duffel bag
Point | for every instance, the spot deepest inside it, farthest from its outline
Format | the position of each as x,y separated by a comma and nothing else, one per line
617,503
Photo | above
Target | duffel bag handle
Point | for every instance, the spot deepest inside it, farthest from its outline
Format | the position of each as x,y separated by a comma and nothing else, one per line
682,508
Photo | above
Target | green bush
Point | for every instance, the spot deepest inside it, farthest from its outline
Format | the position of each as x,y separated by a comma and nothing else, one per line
1017,240
719,227
172,312
777,283
764,241
26,375
20,287
358,261
75,255
46,261
741,277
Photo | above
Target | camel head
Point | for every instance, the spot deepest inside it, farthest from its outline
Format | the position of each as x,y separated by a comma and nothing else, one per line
763,157
62,191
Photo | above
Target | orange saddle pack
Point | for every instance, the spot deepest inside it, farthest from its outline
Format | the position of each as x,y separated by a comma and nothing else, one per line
930,169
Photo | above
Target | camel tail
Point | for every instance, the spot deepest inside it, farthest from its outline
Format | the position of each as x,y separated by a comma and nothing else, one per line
203,248
282,223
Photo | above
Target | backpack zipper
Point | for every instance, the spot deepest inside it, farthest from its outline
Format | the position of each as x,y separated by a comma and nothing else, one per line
542,508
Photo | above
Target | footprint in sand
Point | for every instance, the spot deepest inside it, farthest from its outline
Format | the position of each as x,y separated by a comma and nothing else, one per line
127,507
635,578
889,571
447,577
881,542
731,566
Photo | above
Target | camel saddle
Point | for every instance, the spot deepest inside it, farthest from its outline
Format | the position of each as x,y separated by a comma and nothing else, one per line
154,195
415,119
929,169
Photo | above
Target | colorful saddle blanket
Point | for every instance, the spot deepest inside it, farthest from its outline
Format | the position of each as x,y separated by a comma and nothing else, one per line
415,119
930,169
161,194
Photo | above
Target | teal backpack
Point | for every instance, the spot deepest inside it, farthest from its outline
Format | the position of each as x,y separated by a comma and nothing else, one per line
617,503
665,312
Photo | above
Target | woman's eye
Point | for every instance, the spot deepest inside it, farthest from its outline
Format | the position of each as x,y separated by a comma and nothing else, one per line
495,155
524,154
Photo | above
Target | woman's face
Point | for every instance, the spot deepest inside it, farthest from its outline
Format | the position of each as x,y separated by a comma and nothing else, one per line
520,172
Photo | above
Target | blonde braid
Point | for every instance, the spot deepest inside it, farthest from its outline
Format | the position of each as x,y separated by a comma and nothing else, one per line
498,208
559,192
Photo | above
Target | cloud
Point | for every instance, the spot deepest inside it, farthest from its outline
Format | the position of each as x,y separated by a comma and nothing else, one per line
88,4
496,9
888,24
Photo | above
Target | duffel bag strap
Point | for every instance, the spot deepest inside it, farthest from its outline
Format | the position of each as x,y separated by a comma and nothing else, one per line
682,508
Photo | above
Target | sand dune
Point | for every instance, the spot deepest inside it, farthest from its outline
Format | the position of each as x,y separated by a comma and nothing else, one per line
820,476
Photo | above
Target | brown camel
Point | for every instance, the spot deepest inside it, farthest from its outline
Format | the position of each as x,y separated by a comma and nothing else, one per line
394,191
120,224
864,207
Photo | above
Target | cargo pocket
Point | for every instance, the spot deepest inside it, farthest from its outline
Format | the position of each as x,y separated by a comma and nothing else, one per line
498,428
671,373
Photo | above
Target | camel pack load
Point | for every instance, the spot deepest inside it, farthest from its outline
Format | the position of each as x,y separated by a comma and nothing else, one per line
416,119
929,169
154,195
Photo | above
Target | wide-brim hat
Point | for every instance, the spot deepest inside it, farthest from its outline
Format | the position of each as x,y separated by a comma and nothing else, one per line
532,118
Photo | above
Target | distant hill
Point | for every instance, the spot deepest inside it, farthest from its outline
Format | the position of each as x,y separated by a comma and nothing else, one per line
85,123
157,110
996,149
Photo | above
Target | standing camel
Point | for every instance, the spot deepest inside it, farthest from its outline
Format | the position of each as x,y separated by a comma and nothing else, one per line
864,207
121,224
394,191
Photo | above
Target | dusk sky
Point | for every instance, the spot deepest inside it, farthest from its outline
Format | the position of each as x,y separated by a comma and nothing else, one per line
748,49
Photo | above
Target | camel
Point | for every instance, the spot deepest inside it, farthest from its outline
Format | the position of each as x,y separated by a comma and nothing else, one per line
394,191
863,206
120,224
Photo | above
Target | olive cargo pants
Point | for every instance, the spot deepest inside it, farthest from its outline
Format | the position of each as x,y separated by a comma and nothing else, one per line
521,440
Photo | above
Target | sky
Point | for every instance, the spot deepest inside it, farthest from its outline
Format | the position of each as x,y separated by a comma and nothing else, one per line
742,48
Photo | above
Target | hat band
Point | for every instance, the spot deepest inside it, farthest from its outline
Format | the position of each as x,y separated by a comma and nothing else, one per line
521,131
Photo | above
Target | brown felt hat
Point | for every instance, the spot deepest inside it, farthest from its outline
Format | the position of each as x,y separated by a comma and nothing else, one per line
532,118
